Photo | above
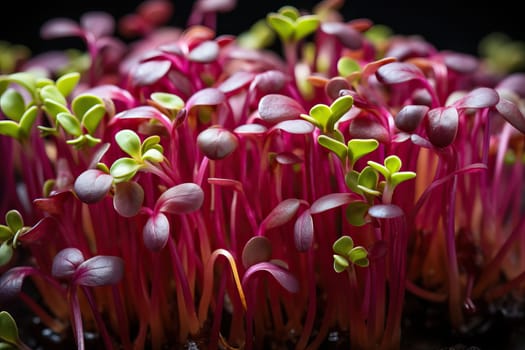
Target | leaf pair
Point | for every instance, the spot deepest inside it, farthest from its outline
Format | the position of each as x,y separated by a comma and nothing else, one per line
180,199
352,151
100,270
150,150
9,336
9,234
290,25
87,112
347,255
325,117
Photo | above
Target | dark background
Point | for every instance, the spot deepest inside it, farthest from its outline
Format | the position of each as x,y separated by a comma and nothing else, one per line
448,24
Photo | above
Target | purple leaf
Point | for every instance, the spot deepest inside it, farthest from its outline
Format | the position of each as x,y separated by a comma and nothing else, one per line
275,108
257,249
60,28
282,276
216,142
442,126
368,128
54,204
12,280
398,72
251,129
149,72
236,82
281,214
408,48
142,113
286,158
410,116
66,262
512,114
98,23
181,199
482,97
348,36
215,5
92,185
114,93
44,227
205,52
385,211
461,62
156,232
128,198
330,201
303,232
206,97
335,85
298,126
514,82
268,82
100,270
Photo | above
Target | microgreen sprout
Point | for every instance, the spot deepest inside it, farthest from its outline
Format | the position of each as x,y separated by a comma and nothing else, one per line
198,189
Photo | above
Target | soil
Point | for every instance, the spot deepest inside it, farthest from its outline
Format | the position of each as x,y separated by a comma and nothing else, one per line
425,327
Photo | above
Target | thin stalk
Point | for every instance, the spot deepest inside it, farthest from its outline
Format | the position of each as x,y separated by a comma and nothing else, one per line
76,317
193,321
98,319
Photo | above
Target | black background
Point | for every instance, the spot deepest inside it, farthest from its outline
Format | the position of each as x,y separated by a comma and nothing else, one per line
448,24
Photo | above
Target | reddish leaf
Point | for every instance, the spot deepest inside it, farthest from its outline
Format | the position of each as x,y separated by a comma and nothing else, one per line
514,82
217,143
98,23
12,280
335,85
330,201
281,214
275,108
54,204
385,211
284,277
113,93
236,82
251,129
66,262
482,97
206,97
181,199
347,35
156,232
461,62
99,271
410,116
442,125
59,28
92,185
44,227
368,128
304,231
268,82
298,126
149,72
398,72
128,198
512,114
205,52
257,249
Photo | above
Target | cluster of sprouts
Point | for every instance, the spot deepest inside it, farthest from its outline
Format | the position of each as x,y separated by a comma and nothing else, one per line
195,189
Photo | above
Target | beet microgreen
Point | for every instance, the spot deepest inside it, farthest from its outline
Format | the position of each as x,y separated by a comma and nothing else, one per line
213,191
